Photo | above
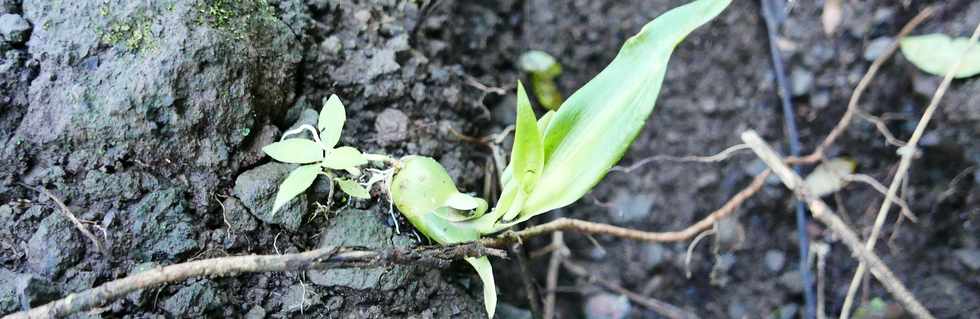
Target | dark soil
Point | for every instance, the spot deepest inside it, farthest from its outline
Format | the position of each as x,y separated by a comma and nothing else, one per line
147,119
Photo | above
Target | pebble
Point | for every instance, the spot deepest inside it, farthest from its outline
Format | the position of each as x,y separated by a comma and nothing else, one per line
801,81
607,306
969,257
876,48
654,255
14,28
775,260
54,247
392,127
820,99
792,280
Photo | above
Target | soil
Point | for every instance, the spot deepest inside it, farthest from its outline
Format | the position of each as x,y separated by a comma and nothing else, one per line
147,119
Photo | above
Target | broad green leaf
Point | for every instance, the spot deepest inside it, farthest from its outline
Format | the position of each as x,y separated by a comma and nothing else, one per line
527,156
331,121
296,183
295,150
485,270
937,53
828,177
344,157
462,201
539,62
352,188
596,125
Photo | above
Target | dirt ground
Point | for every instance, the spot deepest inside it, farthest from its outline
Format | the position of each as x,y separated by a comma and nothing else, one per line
147,119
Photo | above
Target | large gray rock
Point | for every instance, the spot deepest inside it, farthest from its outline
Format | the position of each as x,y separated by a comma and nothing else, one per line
358,228
175,85
55,246
13,28
17,290
256,189
161,227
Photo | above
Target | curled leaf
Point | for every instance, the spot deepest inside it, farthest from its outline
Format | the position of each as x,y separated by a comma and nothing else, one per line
295,150
296,183
462,201
937,53
343,158
331,121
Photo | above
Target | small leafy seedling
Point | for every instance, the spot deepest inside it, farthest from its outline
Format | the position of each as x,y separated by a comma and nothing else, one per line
558,158
318,156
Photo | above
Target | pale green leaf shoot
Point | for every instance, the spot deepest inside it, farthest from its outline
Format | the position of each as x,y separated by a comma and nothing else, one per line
331,121
352,188
296,183
343,158
295,150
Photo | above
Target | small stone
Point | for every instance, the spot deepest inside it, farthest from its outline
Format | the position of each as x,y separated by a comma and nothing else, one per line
801,81
925,85
654,255
629,207
54,247
35,291
969,257
737,310
256,189
14,28
361,229
820,99
775,260
787,311
607,306
392,127
161,225
236,215
876,48
792,280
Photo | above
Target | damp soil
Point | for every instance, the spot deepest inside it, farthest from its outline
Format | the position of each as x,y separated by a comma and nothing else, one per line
147,119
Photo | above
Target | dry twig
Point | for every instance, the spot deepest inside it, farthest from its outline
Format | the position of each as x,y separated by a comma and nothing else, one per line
551,281
823,213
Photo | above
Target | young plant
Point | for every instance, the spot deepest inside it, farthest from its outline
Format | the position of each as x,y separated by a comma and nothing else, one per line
318,156
558,158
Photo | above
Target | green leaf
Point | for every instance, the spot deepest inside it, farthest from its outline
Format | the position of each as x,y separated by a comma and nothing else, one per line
485,270
296,183
352,188
331,121
937,53
540,63
295,150
344,157
527,157
595,126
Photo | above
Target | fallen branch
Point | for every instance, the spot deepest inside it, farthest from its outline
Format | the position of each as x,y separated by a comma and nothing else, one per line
227,266
824,214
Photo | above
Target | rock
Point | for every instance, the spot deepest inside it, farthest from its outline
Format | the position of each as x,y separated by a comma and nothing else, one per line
256,312
14,28
607,306
306,117
876,48
23,290
654,255
237,215
257,188
55,246
774,260
508,311
299,297
358,228
193,301
925,85
969,257
628,207
792,280
787,311
820,100
161,227
392,127
801,81
171,84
